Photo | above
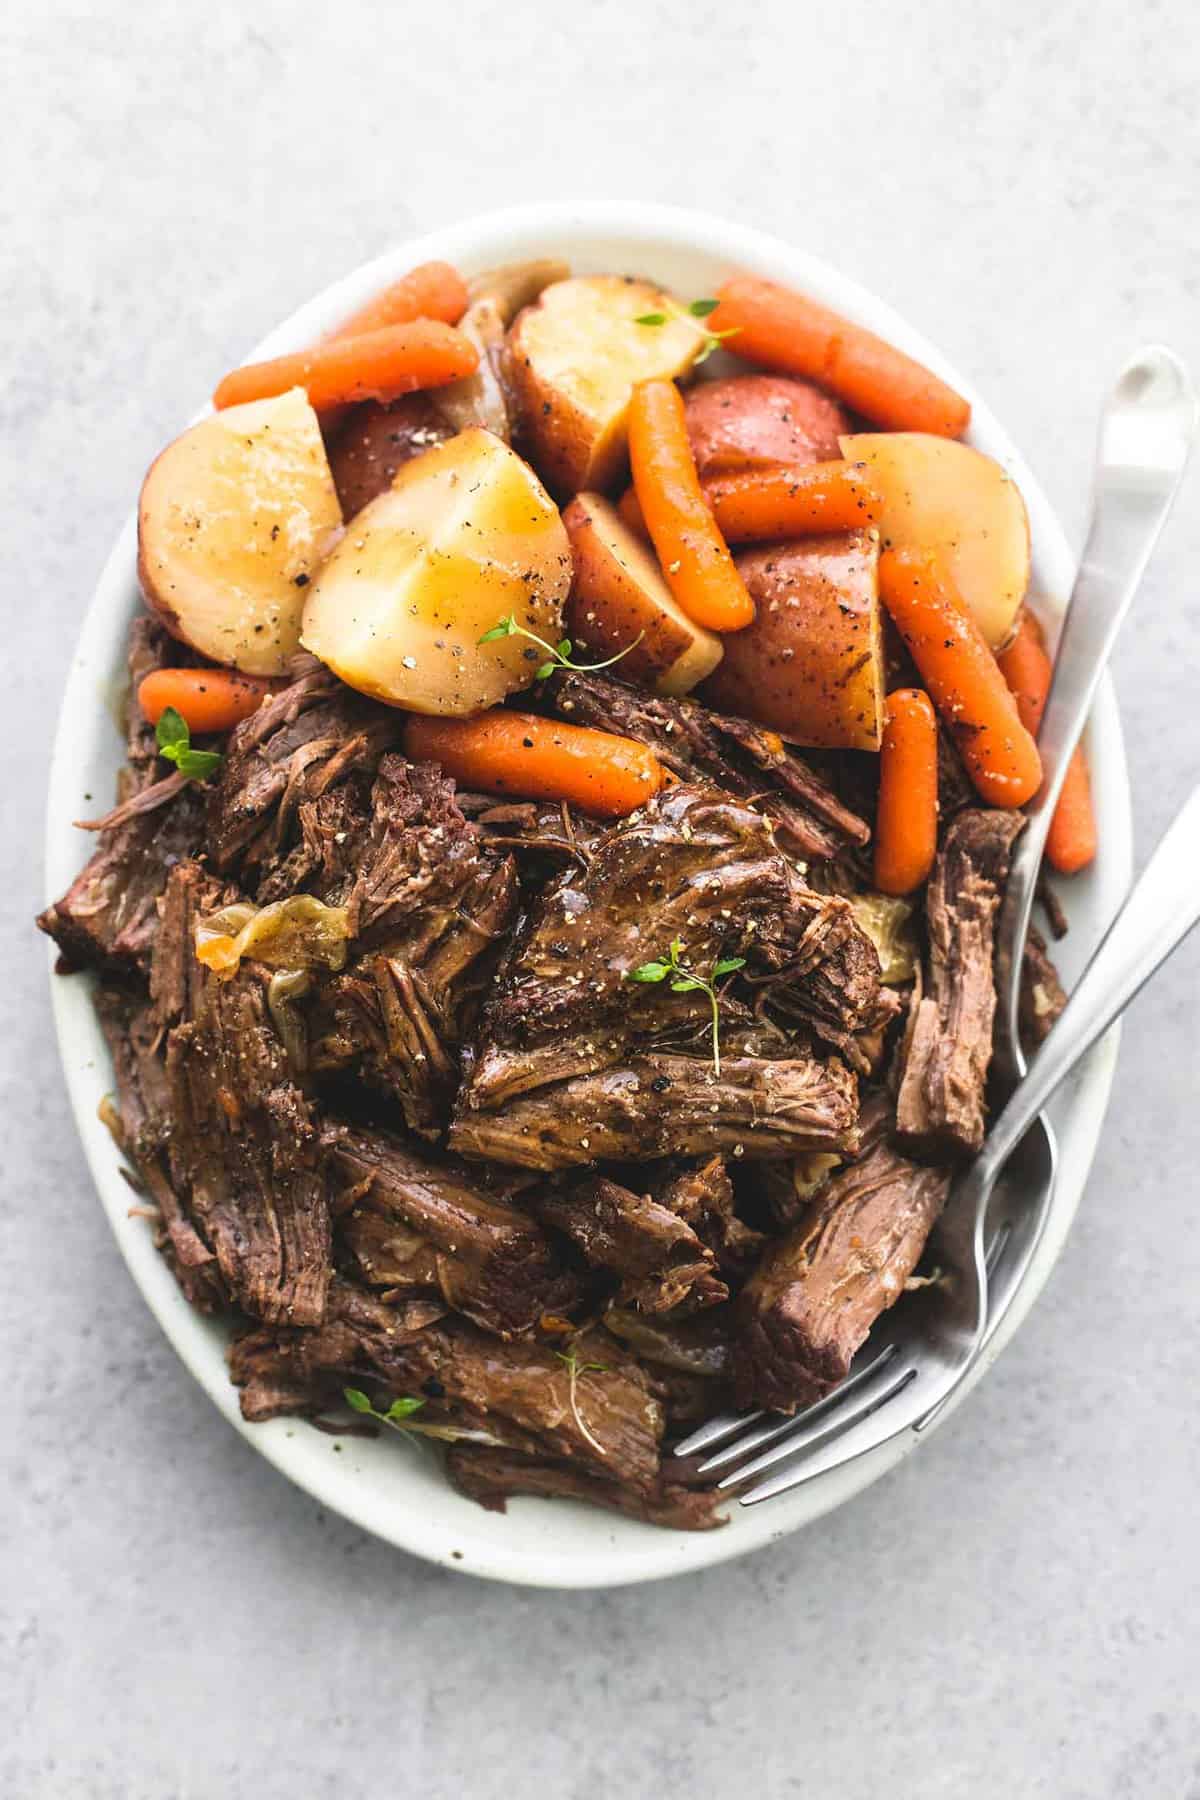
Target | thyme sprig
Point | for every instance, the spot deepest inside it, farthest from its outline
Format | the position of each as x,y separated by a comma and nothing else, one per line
684,979
401,1409
575,1369
698,309
558,655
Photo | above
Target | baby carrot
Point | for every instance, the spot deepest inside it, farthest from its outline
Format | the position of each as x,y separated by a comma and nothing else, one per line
695,557
792,502
962,676
380,365
433,290
503,752
784,330
1071,842
906,817
786,501
208,699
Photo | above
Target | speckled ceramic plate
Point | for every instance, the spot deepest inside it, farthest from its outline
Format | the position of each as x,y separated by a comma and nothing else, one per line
385,1486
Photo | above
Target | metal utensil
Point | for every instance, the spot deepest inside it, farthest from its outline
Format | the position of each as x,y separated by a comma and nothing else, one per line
924,1346
1146,434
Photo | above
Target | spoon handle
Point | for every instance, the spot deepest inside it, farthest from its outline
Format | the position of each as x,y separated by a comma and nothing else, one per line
1146,432
1159,913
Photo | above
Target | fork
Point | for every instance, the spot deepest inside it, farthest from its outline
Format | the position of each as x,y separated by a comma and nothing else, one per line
1145,437
921,1349
1146,434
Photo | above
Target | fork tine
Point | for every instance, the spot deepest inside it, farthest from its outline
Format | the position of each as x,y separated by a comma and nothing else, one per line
836,1452
705,1436
777,1426
876,1391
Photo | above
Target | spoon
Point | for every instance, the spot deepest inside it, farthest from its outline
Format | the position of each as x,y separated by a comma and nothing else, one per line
1146,433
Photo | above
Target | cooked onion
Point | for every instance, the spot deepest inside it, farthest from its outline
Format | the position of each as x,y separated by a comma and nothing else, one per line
296,934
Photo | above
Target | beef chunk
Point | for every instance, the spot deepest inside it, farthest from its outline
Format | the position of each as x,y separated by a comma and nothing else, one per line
541,835
304,741
519,1395
941,1106
1042,993
695,742
576,1062
674,1104
659,1259
820,1287
281,1369
823,971
701,1194
429,906
141,1126
244,1153
108,917
490,1262
493,1477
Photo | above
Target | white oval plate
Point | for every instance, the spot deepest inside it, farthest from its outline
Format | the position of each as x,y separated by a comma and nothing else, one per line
387,1487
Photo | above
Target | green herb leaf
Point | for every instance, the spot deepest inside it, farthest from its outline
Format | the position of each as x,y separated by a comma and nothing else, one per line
700,309
171,732
544,669
175,745
403,1408
651,319
356,1399
727,965
197,765
686,984
504,629
563,648
651,971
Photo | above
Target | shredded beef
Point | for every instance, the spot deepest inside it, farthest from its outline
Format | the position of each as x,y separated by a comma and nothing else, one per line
696,743
108,917
578,1062
701,1193
430,905
494,1477
489,1261
658,1259
1042,993
243,1149
941,1107
519,1394
301,743
819,1288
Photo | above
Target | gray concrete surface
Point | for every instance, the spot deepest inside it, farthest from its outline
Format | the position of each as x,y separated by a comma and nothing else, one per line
1013,1613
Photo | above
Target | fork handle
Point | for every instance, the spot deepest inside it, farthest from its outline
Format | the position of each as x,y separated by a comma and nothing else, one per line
1130,503
1159,913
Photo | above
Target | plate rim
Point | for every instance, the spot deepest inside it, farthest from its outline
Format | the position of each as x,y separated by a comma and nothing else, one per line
624,1552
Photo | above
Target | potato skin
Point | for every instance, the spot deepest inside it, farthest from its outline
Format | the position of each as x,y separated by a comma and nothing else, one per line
618,591
810,667
756,421
373,441
575,357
